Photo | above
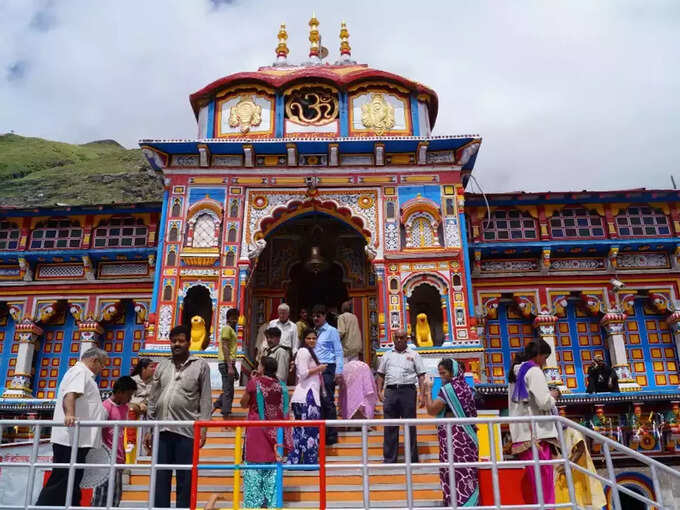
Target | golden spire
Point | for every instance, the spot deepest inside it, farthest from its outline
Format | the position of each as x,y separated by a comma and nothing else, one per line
345,49
282,47
314,38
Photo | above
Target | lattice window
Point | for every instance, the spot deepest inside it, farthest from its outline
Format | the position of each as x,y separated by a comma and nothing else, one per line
504,337
421,231
576,223
578,338
121,232
56,234
9,236
642,222
204,232
651,350
509,225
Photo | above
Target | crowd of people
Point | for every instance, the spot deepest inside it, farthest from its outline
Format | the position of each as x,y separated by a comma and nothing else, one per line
315,357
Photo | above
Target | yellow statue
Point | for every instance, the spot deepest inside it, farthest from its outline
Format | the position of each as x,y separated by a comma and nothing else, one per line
423,333
245,113
199,336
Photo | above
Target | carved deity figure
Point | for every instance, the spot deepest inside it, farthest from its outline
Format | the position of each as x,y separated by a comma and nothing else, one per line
245,113
423,332
377,114
199,336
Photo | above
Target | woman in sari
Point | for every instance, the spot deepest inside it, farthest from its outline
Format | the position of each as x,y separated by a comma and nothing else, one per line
455,400
306,401
587,489
266,398
529,395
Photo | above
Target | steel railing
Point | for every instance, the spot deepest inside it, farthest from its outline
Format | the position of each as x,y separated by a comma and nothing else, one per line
495,461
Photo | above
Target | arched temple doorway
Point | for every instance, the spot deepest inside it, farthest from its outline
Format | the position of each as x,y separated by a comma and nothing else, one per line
313,258
426,299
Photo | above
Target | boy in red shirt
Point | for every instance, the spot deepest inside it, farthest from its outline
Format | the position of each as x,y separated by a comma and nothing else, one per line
117,408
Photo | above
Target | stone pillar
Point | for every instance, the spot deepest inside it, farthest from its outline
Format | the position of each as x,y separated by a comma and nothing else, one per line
612,322
20,386
545,328
90,334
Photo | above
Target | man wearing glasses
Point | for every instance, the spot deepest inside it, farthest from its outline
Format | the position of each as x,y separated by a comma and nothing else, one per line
328,350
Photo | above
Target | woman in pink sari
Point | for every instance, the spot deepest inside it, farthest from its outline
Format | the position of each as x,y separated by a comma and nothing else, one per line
358,393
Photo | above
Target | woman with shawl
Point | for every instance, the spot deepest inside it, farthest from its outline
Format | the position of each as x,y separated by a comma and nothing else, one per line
455,400
529,395
266,398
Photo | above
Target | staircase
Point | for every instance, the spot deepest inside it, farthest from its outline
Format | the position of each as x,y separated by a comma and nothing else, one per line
301,488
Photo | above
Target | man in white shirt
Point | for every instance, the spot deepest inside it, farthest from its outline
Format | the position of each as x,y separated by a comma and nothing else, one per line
289,332
398,372
78,399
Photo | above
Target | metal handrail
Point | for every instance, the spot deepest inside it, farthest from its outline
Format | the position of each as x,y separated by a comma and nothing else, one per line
494,463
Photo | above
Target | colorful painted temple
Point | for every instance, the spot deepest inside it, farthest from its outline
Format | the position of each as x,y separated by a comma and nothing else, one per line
321,183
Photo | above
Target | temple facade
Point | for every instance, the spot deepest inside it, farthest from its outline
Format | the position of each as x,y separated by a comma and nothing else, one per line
321,183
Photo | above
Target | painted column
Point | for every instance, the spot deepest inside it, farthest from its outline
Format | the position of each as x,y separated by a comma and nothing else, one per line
90,334
20,387
544,324
382,308
445,320
612,322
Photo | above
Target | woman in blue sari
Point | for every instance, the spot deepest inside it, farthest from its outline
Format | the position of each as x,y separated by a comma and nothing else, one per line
455,400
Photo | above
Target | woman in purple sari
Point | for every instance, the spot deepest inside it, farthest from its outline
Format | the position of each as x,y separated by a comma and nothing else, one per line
455,400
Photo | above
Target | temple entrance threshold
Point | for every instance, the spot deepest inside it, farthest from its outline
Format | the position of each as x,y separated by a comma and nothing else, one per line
311,259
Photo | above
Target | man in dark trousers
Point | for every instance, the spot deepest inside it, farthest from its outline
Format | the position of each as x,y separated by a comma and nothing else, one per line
328,351
180,391
601,377
398,372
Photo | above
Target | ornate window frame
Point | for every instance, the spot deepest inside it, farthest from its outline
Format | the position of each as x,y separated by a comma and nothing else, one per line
577,222
57,234
512,223
10,235
642,221
121,232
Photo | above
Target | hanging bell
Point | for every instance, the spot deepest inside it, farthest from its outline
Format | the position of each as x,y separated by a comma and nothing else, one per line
316,263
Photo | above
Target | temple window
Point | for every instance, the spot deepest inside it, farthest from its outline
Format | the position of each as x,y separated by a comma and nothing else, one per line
642,221
229,259
576,223
9,236
226,293
167,293
121,232
171,259
421,231
173,235
390,210
233,210
231,236
205,235
56,234
176,207
450,210
509,225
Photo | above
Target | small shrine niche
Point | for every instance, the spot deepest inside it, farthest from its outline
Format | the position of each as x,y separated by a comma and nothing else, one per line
425,299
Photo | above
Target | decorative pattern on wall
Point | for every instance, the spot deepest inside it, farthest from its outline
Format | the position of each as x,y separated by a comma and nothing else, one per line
504,337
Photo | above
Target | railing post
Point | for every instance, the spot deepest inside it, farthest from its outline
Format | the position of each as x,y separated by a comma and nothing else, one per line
238,458
279,470
494,466
612,476
407,460
364,462
537,467
453,495
31,470
194,465
154,460
71,470
567,464
322,466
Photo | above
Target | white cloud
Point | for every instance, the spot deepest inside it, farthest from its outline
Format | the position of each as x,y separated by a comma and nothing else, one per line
567,94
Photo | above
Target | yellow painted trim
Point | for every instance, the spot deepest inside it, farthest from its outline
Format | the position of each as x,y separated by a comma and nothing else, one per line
208,180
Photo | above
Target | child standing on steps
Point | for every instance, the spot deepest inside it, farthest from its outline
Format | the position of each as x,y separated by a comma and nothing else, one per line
117,409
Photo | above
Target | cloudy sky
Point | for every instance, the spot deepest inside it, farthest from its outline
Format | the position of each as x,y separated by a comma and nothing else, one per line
568,95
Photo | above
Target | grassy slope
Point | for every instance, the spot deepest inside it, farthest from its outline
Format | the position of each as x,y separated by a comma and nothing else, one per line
36,172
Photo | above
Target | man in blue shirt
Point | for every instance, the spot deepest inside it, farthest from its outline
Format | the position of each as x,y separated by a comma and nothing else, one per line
328,350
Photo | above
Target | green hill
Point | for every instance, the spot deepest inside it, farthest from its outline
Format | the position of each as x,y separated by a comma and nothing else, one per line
41,173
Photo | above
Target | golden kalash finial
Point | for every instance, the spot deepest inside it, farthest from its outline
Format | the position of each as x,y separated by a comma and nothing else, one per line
282,47
345,49
314,39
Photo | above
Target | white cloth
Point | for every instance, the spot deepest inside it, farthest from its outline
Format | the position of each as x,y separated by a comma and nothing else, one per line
289,333
79,380
540,403
401,367
305,380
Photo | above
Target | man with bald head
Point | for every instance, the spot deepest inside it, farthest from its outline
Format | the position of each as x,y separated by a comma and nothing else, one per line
398,372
